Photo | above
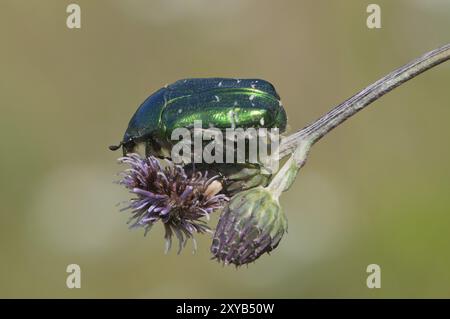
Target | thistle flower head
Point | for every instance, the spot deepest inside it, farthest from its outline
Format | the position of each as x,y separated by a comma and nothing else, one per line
252,224
168,194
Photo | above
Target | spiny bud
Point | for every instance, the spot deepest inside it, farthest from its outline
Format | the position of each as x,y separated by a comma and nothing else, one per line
252,224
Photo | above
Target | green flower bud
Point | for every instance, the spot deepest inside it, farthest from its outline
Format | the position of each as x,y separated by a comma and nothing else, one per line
252,224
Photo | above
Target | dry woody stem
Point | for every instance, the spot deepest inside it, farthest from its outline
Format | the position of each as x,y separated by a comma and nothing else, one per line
315,131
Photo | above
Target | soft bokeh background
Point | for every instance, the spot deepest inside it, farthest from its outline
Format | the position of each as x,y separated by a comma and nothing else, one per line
376,190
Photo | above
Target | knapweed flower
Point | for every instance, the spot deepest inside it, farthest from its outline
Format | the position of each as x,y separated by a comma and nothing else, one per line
168,194
252,224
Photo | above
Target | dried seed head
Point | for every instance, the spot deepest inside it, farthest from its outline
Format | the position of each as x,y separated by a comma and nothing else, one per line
168,194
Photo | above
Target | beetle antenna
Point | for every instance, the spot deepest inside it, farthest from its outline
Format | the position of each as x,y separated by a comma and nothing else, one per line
115,147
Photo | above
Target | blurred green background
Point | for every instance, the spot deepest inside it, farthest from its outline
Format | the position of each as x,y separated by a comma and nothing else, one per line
376,190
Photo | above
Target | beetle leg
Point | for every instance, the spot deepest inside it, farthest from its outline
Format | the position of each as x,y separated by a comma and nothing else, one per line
128,147
153,148
148,148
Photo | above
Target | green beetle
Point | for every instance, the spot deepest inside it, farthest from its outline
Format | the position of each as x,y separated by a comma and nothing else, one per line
217,102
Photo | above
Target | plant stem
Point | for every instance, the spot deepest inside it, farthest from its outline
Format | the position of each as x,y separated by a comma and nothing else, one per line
285,177
299,143
315,131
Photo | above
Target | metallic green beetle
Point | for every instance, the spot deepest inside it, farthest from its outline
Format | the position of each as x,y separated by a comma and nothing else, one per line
217,102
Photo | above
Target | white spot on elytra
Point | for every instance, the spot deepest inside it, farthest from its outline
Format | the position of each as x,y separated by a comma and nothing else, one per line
238,81
217,98
253,85
235,103
279,103
179,111
251,97
220,84
261,121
